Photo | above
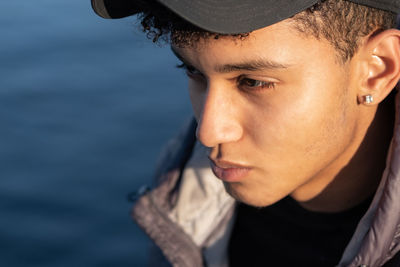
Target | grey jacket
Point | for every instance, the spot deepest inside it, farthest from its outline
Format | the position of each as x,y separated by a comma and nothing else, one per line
189,216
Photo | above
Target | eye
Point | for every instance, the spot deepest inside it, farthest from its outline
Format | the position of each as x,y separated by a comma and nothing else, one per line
251,84
190,70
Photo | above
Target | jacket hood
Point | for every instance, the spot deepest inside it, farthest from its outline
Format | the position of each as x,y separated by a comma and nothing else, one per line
377,237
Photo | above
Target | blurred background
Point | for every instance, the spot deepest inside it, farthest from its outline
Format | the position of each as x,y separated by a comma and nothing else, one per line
85,106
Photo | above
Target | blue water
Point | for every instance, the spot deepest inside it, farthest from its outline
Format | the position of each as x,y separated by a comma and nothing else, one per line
85,106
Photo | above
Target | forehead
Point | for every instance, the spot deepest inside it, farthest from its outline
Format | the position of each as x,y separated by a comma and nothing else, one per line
280,43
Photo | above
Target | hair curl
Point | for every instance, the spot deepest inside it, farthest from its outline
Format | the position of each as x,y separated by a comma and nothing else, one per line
340,22
343,24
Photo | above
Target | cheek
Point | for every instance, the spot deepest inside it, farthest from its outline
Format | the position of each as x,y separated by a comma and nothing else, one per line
300,120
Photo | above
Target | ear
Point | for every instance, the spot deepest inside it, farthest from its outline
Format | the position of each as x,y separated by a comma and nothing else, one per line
381,66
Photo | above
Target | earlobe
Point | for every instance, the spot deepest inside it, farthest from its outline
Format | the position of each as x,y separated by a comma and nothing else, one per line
382,56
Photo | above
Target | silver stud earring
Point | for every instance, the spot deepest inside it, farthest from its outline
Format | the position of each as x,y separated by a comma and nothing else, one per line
368,99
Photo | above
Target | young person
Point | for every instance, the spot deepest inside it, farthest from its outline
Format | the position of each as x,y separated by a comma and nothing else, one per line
297,156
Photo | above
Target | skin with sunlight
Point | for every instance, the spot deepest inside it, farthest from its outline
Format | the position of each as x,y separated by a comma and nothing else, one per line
279,113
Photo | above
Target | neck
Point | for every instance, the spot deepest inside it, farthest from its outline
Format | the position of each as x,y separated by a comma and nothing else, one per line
359,179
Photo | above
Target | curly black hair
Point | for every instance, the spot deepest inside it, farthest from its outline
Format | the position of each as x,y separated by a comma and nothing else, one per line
341,22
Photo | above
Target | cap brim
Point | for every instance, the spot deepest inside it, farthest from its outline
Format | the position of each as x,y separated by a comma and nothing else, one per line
114,9
226,16
220,16
232,16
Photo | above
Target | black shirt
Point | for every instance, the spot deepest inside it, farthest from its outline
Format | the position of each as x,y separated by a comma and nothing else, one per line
285,234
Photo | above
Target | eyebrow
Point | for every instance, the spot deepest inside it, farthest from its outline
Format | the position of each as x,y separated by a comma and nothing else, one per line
252,65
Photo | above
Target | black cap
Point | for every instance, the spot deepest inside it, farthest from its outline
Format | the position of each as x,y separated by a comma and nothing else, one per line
228,16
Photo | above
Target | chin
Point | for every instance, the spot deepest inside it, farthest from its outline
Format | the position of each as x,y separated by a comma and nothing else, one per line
255,198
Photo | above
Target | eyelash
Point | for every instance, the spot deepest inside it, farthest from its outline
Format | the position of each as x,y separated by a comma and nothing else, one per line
241,81
186,68
254,85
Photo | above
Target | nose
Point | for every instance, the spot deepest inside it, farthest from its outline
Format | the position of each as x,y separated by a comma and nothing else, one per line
219,121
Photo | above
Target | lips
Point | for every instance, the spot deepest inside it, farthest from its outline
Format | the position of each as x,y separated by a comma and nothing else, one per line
229,172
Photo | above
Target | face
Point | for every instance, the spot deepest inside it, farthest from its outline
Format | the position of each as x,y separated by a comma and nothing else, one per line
277,111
